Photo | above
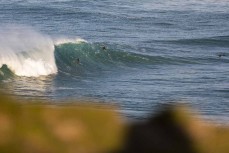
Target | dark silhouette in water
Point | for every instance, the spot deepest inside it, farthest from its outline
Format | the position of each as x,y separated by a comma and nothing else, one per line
78,61
221,55
104,47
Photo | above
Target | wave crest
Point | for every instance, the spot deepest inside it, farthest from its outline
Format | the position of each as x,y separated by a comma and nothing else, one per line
68,40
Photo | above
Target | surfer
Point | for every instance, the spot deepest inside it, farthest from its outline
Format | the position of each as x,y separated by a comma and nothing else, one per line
104,47
77,61
221,54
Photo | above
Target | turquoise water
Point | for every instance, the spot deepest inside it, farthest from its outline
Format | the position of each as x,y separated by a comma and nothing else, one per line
134,54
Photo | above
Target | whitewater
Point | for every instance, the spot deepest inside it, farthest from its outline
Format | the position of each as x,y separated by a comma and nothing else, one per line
26,52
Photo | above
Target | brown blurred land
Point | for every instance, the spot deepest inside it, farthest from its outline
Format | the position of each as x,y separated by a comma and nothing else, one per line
70,128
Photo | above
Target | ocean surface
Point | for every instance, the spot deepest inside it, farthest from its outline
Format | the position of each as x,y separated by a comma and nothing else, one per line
133,54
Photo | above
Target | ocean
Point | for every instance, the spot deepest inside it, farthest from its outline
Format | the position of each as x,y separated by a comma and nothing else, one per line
136,55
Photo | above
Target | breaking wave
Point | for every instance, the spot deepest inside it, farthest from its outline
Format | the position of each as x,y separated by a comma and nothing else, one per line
26,52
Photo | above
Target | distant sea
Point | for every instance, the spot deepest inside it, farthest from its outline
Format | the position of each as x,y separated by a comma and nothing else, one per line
134,54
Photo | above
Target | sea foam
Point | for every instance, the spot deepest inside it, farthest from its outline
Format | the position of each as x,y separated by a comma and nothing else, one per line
26,52
63,40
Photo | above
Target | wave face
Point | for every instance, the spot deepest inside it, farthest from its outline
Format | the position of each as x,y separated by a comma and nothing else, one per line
80,57
26,52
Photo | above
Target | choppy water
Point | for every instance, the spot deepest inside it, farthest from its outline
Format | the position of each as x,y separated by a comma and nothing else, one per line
134,54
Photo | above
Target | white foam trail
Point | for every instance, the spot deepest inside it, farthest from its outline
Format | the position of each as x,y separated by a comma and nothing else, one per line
68,40
26,52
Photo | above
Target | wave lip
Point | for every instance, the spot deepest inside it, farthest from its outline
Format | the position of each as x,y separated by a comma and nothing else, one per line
26,52
67,40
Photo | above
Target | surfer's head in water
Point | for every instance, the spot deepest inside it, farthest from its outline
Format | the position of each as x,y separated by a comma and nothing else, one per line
221,54
104,47
78,61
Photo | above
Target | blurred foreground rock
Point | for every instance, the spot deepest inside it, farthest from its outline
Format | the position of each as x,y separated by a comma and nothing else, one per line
69,128
173,130
42,128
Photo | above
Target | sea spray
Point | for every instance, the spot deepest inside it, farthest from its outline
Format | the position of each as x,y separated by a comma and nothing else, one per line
64,40
26,52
